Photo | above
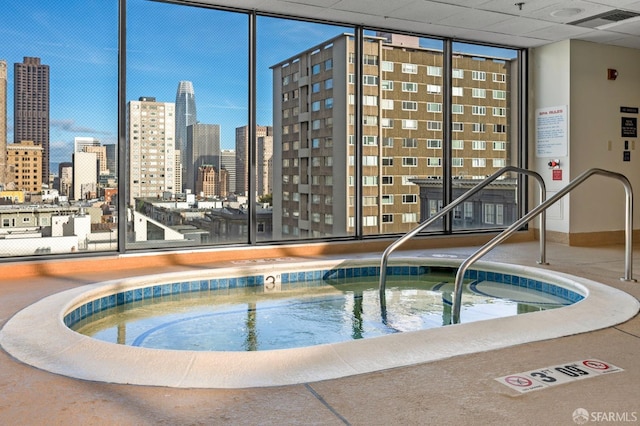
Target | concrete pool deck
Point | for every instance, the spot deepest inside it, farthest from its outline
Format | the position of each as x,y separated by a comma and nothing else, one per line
456,390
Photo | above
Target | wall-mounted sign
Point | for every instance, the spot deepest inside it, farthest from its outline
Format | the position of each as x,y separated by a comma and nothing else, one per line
551,132
629,110
629,127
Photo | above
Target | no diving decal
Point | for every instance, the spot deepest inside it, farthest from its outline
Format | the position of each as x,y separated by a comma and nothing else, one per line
557,374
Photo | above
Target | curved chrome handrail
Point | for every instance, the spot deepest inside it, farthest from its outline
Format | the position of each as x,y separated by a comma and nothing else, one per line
450,207
541,208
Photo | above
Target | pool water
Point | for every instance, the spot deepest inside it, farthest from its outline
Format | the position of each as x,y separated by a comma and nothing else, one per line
317,312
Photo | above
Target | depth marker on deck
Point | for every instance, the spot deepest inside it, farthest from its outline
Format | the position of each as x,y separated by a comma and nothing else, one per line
557,374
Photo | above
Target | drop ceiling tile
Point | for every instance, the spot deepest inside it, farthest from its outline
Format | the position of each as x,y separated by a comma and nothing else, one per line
605,37
632,42
316,3
633,5
427,11
556,32
517,26
627,27
510,6
241,4
466,3
474,19
288,8
587,9
372,7
477,36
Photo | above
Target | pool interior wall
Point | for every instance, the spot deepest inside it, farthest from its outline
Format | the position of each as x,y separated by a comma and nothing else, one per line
278,278
39,336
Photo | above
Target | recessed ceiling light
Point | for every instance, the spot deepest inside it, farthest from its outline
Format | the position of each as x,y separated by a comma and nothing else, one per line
566,13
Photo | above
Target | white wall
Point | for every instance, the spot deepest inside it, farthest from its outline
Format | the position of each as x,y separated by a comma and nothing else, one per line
574,73
550,87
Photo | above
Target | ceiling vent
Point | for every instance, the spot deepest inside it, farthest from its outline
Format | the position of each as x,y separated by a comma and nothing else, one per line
606,20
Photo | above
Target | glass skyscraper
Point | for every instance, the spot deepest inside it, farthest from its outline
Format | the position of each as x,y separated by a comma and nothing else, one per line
185,116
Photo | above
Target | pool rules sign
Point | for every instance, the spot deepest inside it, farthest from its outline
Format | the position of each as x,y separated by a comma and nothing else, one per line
551,132
557,374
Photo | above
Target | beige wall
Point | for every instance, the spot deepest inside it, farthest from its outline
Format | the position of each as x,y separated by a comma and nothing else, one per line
574,73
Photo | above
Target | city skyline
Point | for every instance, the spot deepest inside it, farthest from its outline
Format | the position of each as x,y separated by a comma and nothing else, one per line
83,65
84,76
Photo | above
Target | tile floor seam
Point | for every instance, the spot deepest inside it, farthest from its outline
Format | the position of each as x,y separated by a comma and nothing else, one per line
326,404
627,333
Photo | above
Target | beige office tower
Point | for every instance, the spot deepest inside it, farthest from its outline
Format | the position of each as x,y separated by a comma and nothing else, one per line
151,138
242,155
264,162
101,155
402,132
3,123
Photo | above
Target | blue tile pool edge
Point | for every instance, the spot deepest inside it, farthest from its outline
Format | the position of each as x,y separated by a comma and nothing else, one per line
109,301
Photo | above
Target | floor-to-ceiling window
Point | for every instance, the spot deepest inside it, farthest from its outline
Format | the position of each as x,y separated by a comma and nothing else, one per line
485,135
187,118
242,128
301,153
402,128
58,127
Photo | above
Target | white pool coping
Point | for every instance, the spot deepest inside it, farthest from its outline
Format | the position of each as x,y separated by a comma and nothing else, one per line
38,336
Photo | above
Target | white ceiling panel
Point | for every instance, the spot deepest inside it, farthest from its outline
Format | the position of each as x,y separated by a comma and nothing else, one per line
372,7
557,32
426,11
511,7
475,19
602,37
517,26
287,7
631,42
318,3
538,22
633,5
628,27
559,12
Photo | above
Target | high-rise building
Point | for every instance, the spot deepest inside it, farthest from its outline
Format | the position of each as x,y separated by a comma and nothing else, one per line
3,122
91,144
242,155
79,142
65,178
101,155
228,162
85,175
203,148
185,116
177,166
151,148
24,159
211,182
264,162
402,133
31,107
112,158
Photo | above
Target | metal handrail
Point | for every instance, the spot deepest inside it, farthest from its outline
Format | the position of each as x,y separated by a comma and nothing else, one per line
450,207
457,299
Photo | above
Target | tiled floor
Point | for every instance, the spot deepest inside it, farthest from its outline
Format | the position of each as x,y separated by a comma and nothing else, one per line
458,390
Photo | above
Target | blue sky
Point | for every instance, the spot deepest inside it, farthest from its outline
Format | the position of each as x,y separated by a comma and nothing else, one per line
78,40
